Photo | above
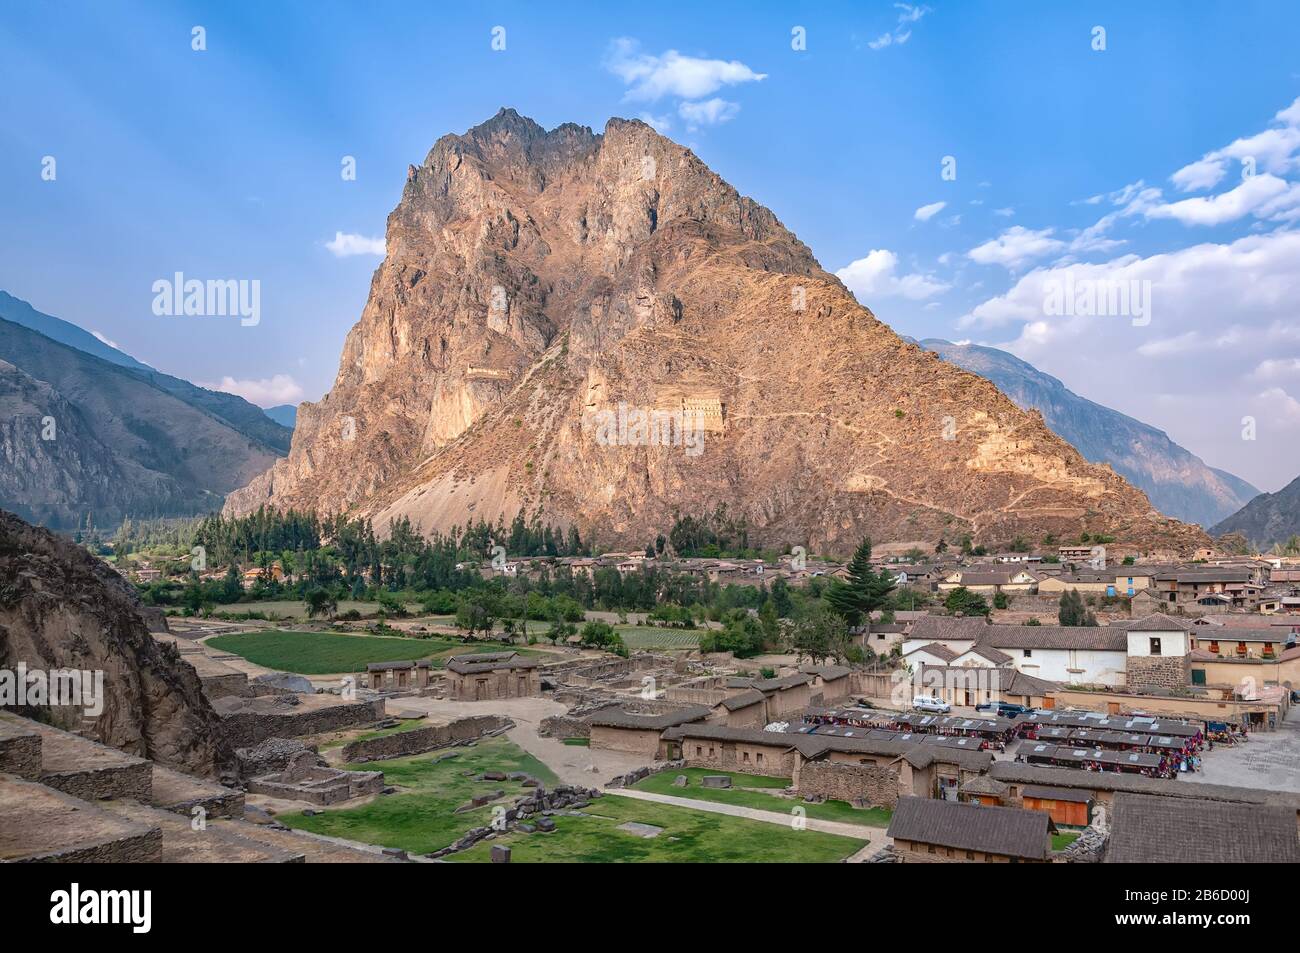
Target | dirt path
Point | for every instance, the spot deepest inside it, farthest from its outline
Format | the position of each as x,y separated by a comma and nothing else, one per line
877,837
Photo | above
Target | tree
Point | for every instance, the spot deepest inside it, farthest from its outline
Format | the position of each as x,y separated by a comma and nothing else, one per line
321,601
864,592
1072,611
820,634
966,602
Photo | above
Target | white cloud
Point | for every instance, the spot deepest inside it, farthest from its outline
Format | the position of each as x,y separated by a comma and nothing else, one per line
1016,247
345,245
1221,342
1272,150
104,340
1275,368
660,124
710,112
1004,212
876,275
902,32
927,212
266,392
650,78
1229,206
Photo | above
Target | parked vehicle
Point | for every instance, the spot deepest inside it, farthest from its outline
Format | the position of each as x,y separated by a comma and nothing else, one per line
933,705
1004,709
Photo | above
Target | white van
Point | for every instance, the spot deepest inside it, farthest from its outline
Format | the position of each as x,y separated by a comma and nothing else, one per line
933,705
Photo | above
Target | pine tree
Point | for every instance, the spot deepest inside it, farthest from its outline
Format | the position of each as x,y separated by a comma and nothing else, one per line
864,592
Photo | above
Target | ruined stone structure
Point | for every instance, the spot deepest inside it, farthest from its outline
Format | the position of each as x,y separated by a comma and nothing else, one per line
429,738
307,778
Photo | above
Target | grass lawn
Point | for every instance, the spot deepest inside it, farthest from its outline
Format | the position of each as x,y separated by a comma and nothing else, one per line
662,783
324,653
409,724
1062,841
688,837
649,637
419,818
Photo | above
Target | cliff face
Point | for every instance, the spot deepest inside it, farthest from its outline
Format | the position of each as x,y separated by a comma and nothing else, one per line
60,608
535,281
1177,481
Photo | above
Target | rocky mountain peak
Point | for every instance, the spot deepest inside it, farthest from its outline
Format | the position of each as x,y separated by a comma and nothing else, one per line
536,279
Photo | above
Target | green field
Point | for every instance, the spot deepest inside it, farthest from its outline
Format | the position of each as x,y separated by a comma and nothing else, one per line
688,836
651,638
325,653
842,811
420,818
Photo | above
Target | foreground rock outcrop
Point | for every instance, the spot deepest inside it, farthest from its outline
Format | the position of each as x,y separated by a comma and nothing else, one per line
61,608
538,282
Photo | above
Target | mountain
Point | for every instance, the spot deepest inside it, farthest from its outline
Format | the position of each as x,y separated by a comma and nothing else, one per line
1177,481
285,415
543,291
79,434
244,417
1268,519
20,312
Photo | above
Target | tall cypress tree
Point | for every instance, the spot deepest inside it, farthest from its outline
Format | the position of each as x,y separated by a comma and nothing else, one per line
863,592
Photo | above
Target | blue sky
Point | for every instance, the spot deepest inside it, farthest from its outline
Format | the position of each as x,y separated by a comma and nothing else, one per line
225,163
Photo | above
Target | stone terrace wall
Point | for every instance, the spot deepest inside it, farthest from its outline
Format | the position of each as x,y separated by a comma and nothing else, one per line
419,740
873,783
246,728
20,752
134,780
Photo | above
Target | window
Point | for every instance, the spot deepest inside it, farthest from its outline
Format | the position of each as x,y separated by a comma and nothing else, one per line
970,855
759,757
699,751
745,757
930,849
1155,646
1029,653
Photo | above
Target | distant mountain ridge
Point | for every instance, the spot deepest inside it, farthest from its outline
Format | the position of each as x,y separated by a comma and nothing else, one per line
1177,481
247,418
1268,519
82,435
286,415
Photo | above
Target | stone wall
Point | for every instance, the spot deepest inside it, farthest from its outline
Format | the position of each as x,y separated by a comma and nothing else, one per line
134,780
1158,672
563,726
246,728
430,738
20,752
875,784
